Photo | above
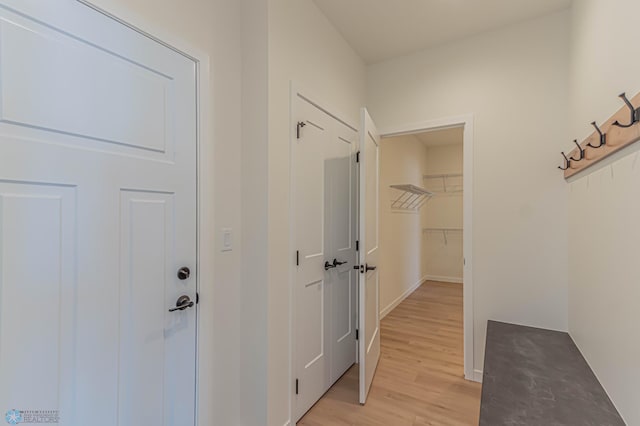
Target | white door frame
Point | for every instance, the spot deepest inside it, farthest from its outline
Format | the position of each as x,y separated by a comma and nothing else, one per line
295,90
465,121
204,195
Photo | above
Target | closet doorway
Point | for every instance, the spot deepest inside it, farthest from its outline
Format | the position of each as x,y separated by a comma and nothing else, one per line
425,216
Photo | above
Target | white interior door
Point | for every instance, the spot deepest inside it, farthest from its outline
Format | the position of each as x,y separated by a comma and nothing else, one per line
369,305
341,219
324,200
97,215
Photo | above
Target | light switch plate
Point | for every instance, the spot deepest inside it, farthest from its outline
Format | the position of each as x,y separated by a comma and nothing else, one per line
227,239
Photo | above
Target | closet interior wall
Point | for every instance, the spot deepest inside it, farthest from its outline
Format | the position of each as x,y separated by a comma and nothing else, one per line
402,265
442,216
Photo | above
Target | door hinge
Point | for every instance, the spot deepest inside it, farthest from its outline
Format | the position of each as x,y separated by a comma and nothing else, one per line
297,258
357,334
358,157
297,386
299,126
464,261
357,245
197,298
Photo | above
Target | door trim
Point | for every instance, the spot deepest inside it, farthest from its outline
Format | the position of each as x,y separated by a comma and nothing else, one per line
204,193
465,121
295,91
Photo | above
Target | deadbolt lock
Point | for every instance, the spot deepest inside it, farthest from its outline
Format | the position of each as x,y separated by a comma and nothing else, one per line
184,273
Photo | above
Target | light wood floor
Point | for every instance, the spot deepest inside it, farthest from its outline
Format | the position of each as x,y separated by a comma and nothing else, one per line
420,379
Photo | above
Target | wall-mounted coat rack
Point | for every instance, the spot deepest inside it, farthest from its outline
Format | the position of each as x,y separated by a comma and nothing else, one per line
620,130
409,198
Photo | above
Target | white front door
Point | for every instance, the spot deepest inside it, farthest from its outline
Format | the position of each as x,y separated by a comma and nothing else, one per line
97,215
369,304
324,317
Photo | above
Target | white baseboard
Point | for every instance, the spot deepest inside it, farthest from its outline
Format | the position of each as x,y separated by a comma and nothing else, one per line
477,376
455,280
384,312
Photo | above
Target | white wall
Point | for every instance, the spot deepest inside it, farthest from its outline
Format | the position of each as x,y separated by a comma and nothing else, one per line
215,28
446,159
515,83
443,256
604,207
254,267
401,263
306,48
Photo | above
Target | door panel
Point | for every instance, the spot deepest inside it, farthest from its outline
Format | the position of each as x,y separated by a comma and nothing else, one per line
132,111
98,144
65,74
310,281
324,210
343,322
369,295
312,355
37,290
146,241
342,307
340,175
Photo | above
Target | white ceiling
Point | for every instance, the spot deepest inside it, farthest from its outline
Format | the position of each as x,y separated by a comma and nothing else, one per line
384,29
451,136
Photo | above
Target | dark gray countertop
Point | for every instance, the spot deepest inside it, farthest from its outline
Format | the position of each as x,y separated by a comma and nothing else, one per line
538,377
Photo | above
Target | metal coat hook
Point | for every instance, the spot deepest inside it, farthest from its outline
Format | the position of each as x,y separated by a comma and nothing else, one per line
299,126
635,113
603,136
567,163
580,150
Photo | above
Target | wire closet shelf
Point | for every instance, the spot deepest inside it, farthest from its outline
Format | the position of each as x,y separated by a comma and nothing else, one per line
409,198
445,232
450,183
